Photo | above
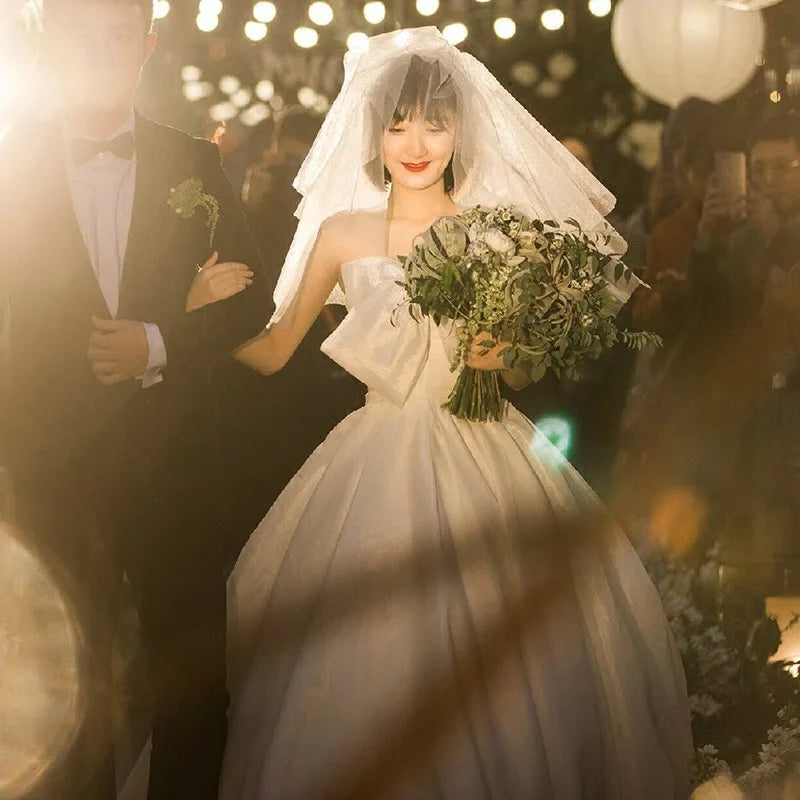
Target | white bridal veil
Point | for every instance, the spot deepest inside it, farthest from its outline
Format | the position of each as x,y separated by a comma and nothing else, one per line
503,156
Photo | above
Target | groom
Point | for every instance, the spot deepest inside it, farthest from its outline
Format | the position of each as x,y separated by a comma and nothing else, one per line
105,418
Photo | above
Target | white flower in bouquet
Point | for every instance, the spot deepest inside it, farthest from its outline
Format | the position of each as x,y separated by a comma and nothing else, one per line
499,243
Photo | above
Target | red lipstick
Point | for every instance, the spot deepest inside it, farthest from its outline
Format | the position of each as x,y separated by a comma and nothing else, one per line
421,167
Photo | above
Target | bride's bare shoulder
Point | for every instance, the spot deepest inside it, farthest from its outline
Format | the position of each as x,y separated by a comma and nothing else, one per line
352,234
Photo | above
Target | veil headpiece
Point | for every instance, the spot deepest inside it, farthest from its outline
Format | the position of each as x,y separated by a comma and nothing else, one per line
502,155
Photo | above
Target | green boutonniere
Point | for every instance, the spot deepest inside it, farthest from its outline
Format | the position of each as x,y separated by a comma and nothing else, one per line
188,196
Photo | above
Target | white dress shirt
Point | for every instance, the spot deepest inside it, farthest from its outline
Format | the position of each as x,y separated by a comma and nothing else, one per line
102,192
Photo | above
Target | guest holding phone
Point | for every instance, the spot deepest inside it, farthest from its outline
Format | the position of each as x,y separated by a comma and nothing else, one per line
743,239
663,307
745,279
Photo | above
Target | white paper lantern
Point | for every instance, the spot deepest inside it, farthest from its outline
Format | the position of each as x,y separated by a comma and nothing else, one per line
673,49
748,5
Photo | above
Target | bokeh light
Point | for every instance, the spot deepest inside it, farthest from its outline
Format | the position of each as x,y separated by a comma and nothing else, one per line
555,430
242,98
255,31
265,12
320,13
307,97
677,520
222,112
305,37
41,691
553,19
207,22
210,7
455,33
229,84
258,112
600,8
505,27
197,90
357,41
427,7
374,13
191,73
160,9
265,90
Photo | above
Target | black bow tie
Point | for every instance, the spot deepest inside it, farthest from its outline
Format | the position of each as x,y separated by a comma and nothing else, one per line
84,150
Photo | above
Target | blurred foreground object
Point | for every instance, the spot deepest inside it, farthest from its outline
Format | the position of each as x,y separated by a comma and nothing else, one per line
40,688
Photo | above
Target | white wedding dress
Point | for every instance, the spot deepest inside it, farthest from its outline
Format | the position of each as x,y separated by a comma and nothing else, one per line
421,614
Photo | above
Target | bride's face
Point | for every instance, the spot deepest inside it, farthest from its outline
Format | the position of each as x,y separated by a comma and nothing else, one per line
416,152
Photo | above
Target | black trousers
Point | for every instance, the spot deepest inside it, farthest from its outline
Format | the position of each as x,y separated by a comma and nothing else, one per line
159,526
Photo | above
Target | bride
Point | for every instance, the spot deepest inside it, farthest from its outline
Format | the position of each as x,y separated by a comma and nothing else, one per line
434,608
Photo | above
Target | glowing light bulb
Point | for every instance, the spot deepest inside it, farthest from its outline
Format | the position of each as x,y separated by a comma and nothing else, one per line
191,73
255,31
229,84
196,91
455,33
242,98
265,90
222,112
253,115
427,7
211,8
374,13
264,12
320,13
505,27
160,9
553,19
357,41
305,37
207,22
600,8
307,97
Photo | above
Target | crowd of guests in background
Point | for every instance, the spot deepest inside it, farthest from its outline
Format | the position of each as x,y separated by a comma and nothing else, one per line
714,415
710,421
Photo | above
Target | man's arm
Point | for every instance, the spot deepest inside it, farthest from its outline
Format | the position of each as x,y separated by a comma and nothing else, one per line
219,328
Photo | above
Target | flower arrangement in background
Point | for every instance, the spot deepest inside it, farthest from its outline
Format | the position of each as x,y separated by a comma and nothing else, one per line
745,708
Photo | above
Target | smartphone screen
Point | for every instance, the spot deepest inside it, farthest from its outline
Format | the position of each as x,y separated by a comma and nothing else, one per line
730,177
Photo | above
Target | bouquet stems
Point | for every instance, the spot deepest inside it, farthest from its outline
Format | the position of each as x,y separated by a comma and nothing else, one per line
476,396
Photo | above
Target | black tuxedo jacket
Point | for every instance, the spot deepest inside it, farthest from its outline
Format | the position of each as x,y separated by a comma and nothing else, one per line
54,413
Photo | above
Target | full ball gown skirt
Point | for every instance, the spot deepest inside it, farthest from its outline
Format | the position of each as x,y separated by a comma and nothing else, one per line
436,608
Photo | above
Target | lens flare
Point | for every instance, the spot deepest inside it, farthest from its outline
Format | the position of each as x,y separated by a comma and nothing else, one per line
677,520
41,695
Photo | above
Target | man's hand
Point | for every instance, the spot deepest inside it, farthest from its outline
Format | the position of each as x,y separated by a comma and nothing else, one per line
118,350
761,214
718,218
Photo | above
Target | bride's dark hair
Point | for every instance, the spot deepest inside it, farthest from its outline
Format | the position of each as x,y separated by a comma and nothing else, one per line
426,92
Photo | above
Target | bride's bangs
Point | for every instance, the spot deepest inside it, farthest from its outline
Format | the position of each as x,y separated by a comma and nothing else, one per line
427,93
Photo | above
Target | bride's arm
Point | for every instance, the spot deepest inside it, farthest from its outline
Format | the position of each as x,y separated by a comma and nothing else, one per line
270,351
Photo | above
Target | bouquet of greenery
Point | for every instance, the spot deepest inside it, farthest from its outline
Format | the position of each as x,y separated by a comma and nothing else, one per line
547,290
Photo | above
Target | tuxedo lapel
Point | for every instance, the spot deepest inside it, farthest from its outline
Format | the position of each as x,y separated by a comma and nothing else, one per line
64,265
144,231
151,239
